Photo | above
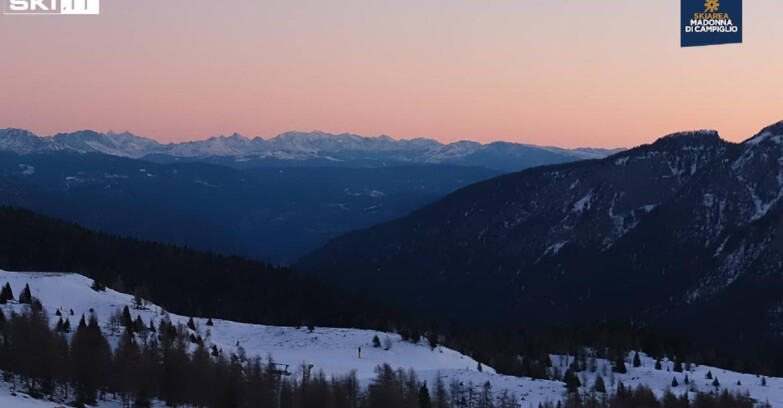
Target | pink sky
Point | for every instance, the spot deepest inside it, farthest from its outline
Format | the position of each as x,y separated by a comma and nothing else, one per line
567,73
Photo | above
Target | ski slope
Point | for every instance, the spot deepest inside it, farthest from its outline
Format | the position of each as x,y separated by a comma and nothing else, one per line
335,350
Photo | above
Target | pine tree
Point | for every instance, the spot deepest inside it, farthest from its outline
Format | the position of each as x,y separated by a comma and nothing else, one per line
424,397
26,297
37,306
479,367
191,324
98,286
658,364
138,325
432,340
91,357
637,361
571,381
405,334
376,342
441,395
127,320
6,294
674,382
709,375
716,383
687,380
415,336
209,322
619,365
678,366
599,385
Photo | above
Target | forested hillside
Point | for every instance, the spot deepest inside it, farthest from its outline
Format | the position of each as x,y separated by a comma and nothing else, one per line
181,279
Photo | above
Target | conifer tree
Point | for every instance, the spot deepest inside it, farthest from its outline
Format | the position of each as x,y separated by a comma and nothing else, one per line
6,294
191,324
26,297
571,381
678,366
716,383
138,325
441,395
36,305
127,320
674,382
98,286
209,322
405,334
599,385
637,361
415,336
376,342
709,375
91,357
432,340
658,364
619,365
424,397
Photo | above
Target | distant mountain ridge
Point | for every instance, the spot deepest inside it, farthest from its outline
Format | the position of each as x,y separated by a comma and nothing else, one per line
299,148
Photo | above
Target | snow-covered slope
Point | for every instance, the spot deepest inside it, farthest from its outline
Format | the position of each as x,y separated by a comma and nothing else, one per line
335,350
661,380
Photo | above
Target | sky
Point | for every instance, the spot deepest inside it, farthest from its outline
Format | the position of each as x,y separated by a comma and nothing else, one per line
568,73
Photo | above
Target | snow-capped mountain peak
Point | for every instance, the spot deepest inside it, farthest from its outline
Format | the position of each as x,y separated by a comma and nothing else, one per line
346,148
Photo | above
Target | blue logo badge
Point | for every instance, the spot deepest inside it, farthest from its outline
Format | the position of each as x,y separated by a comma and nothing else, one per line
710,22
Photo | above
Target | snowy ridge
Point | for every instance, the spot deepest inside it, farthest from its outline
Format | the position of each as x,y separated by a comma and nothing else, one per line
299,146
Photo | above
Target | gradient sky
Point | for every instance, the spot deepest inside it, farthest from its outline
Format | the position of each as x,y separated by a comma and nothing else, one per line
560,72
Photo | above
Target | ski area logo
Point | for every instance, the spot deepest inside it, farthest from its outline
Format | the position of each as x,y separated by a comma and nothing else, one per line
710,22
48,7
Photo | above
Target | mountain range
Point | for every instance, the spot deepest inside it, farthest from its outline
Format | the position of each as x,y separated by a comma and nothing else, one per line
684,233
299,149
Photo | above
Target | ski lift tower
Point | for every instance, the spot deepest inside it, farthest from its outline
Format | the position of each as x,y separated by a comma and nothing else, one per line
280,370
